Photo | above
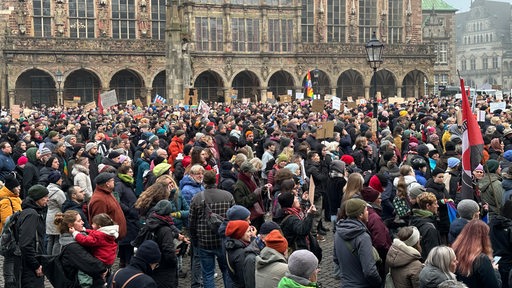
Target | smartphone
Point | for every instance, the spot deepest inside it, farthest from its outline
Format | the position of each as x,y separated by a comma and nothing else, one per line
496,259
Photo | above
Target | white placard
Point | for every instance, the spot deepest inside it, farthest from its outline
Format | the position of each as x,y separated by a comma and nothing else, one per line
328,97
299,95
336,103
499,95
497,105
108,99
289,92
480,116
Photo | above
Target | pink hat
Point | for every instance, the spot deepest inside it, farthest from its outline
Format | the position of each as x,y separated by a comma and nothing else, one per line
22,160
479,168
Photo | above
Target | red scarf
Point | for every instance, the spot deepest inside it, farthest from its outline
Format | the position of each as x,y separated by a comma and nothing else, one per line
247,181
166,219
294,211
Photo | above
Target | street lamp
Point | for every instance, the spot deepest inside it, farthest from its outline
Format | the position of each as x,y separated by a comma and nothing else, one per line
315,83
190,96
374,53
59,77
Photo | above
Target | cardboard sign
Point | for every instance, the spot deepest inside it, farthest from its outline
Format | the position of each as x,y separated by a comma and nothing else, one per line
285,98
398,100
76,99
352,105
328,97
28,112
108,99
493,106
361,101
317,106
336,103
138,103
320,133
270,95
90,106
246,100
186,97
15,111
289,92
129,102
70,104
349,99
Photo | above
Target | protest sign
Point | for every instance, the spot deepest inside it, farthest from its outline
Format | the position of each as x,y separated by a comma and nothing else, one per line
70,104
336,103
299,95
90,106
15,111
138,103
493,106
108,99
317,105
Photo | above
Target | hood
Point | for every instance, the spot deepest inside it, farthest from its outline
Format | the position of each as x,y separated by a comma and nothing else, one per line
408,180
70,205
31,155
507,184
66,239
400,255
112,230
499,222
77,168
4,192
233,244
292,281
350,228
30,203
187,180
228,174
269,256
487,180
431,276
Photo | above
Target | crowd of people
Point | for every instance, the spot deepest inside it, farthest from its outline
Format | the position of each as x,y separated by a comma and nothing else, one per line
255,188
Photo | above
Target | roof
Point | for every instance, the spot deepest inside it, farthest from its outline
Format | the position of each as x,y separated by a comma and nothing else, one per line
438,5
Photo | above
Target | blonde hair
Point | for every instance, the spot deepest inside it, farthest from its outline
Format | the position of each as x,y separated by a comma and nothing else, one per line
354,186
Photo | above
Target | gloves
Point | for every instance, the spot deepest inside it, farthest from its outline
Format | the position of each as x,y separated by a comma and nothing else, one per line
176,214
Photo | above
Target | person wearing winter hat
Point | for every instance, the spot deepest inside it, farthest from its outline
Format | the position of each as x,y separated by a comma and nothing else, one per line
103,201
303,270
491,188
348,159
468,210
136,274
32,220
271,263
404,258
238,212
453,162
346,239
10,202
452,177
238,233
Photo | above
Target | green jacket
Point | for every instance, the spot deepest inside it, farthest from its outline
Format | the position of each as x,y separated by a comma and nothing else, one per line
291,281
492,192
243,196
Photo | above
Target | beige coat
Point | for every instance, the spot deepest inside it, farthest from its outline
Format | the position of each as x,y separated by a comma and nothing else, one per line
404,263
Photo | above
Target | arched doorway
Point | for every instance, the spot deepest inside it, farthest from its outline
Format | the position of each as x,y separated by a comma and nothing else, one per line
386,84
350,84
159,84
320,81
414,84
247,85
128,85
36,87
279,84
83,84
209,86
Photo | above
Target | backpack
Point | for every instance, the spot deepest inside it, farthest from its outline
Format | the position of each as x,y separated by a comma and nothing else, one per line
9,237
53,269
144,234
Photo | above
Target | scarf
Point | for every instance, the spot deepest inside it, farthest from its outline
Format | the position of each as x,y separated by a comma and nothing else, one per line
294,211
167,218
126,178
247,181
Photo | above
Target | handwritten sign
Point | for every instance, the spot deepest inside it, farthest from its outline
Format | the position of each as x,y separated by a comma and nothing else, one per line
15,111
70,104
336,103
109,99
285,98
90,106
493,106
317,105
138,103
299,95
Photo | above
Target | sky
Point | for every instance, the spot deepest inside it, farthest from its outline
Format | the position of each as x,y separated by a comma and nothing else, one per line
463,5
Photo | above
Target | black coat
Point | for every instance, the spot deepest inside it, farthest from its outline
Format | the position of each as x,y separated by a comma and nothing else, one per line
30,177
93,167
335,187
72,205
136,266
440,191
43,175
235,250
75,258
227,180
430,237
295,231
126,194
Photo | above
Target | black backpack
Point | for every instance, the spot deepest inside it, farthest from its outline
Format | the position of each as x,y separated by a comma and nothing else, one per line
9,237
53,269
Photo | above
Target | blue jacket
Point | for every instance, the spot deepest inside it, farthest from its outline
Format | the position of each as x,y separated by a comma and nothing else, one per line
178,204
189,187
139,180
420,178
455,229
6,165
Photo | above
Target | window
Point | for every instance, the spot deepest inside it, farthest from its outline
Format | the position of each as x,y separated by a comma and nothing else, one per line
336,21
463,66
84,88
472,64
280,35
395,17
307,21
158,19
238,34
485,62
42,18
81,19
441,53
209,34
123,19
495,62
367,19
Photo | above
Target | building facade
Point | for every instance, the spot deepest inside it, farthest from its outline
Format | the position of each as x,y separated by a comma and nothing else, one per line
483,45
57,51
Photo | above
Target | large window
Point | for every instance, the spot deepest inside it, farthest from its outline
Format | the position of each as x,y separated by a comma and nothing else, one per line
367,19
42,18
485,62
123,19
81,18
280,33
395,21
209,34
463,66
441,53
472,64
158,19
336,21
245,34
495,62
307,21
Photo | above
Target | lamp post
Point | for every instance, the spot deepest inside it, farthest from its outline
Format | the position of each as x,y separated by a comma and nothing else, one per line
190,96
374,57
315,83
59,76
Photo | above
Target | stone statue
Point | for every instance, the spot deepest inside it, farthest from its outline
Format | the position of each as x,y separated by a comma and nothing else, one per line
102,21
144,21
21,14
186,64
60,18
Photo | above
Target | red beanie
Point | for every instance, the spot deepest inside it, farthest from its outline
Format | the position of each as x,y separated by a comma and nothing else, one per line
236,228
375,184
22,160
276,241
369,194
347,159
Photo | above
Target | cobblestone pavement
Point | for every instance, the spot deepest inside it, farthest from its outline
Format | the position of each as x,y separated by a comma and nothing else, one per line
324,277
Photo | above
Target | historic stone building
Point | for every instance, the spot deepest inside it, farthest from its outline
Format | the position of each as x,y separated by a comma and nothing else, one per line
483,45
59,50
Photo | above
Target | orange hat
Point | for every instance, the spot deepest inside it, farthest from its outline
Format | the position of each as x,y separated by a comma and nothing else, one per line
248,133
275,240
236,228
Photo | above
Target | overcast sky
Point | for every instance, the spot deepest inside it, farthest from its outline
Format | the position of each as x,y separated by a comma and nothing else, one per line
463,5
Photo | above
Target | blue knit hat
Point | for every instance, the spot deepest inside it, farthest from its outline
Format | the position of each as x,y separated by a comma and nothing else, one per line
238,212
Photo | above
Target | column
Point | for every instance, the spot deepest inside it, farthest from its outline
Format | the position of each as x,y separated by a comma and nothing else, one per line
333,92
227,95
263,95
366,92
12,95
399,91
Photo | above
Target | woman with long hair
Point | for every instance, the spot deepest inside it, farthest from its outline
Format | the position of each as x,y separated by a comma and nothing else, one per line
474,252
353,189
401,202
151,196
440,266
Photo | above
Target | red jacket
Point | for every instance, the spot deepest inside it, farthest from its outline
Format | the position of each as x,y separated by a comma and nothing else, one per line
102,242
102,201
175,148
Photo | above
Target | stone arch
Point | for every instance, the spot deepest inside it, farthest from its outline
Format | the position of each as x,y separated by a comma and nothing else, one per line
128,84
210,86
82,83
321,84
35,87
350,84
386,83
280,82
158,84
247,84
413,84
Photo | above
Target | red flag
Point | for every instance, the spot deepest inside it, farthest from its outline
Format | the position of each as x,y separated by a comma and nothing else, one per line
472,145
100,105
309,85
